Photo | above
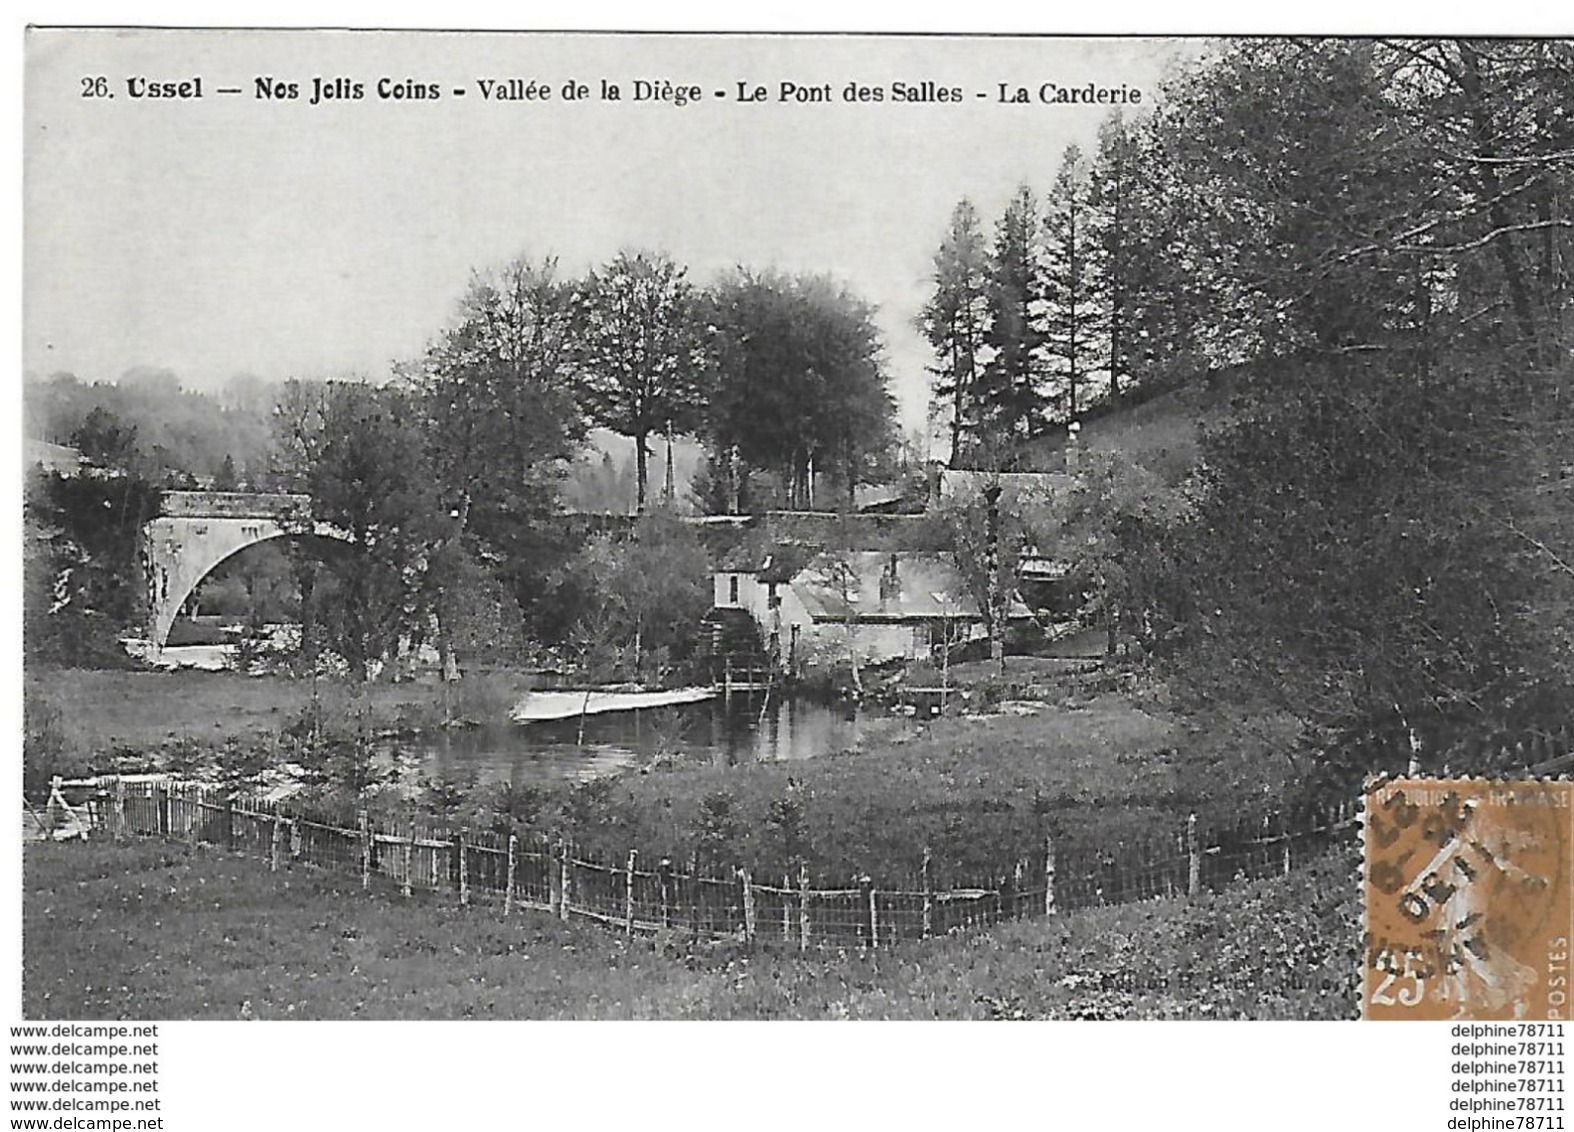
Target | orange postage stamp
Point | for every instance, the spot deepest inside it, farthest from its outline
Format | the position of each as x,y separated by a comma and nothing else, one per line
1467,894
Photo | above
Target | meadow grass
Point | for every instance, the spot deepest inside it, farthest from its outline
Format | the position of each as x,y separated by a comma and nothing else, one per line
146,930
131,715
977,792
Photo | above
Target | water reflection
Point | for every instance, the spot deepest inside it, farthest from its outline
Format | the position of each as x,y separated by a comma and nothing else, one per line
745,729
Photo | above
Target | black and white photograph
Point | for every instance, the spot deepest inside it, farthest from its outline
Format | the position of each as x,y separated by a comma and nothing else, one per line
626,526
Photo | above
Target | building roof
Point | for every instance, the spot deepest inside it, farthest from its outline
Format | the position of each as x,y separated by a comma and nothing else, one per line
873,586
54,457
967,484
772,562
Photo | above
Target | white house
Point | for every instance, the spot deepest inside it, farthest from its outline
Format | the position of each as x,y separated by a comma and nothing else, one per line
818,607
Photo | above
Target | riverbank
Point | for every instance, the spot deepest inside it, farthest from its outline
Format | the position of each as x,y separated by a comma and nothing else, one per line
146,930
978,791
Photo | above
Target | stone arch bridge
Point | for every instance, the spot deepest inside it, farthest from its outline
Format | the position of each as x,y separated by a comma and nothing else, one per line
195,531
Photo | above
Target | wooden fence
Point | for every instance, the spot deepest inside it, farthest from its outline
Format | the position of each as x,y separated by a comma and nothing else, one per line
641,894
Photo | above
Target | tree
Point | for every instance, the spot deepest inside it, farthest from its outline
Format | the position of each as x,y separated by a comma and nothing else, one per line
500,424
1365,226
83,576
1491,121
365,467
986,535
800,387
1364,579
1070,316
1112,216
1009,396
1115,531
649,593
954,322
643,355
104,439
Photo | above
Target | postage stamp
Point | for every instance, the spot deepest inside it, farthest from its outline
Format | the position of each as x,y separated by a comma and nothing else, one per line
1467,899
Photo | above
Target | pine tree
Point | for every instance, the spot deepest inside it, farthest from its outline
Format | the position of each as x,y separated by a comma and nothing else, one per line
954,322
1071,314
1111,219
1009,397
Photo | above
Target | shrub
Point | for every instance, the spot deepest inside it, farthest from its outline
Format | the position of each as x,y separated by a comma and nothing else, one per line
49,746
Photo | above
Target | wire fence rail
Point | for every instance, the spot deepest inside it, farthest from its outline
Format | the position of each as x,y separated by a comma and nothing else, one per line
642,894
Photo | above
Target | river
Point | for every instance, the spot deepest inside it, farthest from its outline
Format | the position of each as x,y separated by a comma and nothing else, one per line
746,729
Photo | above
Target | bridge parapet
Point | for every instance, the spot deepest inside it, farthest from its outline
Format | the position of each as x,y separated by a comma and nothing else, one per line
234,505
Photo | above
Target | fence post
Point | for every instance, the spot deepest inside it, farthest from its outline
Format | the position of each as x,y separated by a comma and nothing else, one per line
276,847
409,853
229,820
628,893
748,905
513,864
567,885
929,896
120,808
866,890
696,893
1049,875
1193,858
464,870
52,815
1016,888
803,906
364,820
664,876
555,878
786,909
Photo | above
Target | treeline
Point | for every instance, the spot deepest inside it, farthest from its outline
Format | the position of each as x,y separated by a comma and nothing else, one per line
147,423
1285,197
1373,239
447,479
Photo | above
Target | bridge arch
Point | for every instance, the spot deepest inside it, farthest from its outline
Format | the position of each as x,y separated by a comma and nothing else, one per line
196,531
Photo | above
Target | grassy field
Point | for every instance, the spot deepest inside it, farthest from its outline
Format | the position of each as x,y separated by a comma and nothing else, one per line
152,931
121,712
114,710
977,791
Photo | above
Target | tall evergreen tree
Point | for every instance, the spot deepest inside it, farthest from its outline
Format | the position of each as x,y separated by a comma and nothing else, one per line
1112,218
1009,394
955,320
1071,314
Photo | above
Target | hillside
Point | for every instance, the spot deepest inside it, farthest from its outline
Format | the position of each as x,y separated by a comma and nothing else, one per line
1162,433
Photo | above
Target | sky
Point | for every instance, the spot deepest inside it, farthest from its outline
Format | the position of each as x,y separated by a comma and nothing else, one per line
235,233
